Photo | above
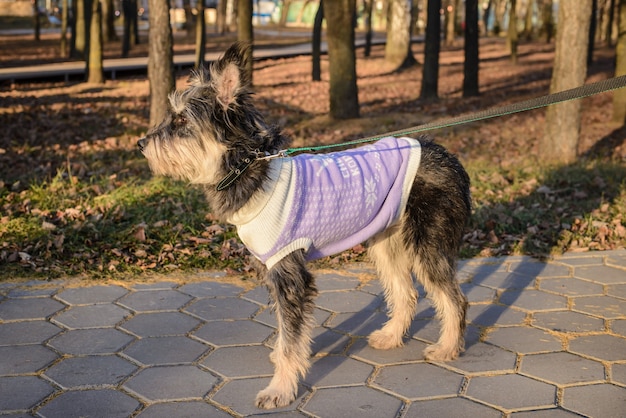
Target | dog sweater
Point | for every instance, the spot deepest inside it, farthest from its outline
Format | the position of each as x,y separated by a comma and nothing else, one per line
328,203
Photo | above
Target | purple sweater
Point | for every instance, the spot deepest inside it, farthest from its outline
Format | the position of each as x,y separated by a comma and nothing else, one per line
328,203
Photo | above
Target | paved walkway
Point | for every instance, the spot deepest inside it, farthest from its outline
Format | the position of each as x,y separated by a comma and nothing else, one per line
544,340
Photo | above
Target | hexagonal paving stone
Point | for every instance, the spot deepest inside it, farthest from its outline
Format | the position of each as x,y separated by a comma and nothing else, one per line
481,357
603,347
92,294
239,395
524,340
418,381
40,308
246,361
22,392
494,315
91,341
90,371
183,409
29,292
566,321
476,270
211,289
451,407
220,309
618,373
171,383
24,359
562,368
29,332
511,391
617,290
154,351
545,413
478,294
617,326
327,341
503,280
596,400
601,274
352,401
539,269
160,324
410,351
155,300
233,332
90,403
259,295
336,371
332,281
533,300
91,316
571,286
349,301
358,324
603,306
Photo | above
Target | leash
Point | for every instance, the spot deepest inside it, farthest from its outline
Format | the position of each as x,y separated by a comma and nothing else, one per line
530,104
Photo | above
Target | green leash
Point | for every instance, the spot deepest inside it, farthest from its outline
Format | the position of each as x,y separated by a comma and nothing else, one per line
535,103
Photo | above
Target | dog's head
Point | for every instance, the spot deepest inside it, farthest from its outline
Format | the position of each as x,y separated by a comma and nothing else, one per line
211,126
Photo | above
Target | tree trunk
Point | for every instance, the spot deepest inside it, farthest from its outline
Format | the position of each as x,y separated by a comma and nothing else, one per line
367,15
398,47
547,20
512,37
200,35
108,21
560,141
188,26
528,21
94,68
609,24
471,62
245,31
344,99
83,17
450,22
430,74
64,22
592,31
36,21
316,52
220,18
619,96
486,16
160,59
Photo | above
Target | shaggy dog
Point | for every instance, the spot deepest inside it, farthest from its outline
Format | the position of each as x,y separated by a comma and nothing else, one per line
409,199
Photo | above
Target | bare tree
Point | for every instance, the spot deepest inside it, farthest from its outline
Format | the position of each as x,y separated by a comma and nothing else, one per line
344,98
129,37
245,31
512,36
450,11
95,70
619,96
64,22
367,16
430,71
36,20
160,59
560,141
200,34
547,20
398,46
470,64
108,21
316,50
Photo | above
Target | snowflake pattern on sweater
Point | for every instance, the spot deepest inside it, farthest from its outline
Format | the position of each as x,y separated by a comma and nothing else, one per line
328,203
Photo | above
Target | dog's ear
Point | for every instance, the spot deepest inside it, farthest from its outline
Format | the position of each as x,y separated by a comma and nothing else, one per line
229,76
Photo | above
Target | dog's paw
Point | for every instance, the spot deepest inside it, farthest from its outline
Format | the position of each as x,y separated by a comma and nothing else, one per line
270,398
382,340
437,352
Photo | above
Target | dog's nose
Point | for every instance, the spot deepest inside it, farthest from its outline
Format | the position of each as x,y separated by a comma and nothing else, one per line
142,143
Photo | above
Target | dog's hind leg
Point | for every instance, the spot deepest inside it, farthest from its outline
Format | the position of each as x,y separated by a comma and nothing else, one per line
437,273
292,289
394,269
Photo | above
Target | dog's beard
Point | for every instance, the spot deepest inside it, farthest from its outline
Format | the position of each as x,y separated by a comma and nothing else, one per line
194,160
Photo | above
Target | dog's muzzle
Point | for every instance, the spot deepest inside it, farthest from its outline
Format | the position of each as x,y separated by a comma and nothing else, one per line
142,143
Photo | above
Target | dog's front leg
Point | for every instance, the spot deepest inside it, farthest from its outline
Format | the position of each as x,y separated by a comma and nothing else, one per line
292,289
